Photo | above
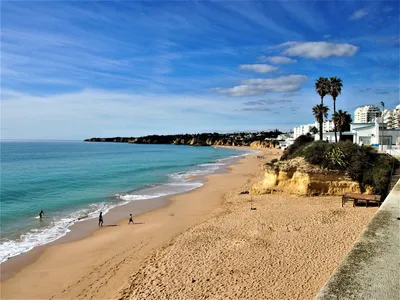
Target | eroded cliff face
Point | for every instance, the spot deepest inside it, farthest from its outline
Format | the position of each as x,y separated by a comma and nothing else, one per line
188,140
262,145
299,178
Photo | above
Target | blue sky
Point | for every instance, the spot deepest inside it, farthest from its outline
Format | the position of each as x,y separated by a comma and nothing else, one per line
71,70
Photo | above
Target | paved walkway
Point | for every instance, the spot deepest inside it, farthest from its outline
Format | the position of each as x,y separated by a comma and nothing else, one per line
371,270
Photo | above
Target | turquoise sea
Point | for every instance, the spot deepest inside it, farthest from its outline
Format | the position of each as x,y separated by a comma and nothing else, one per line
71,180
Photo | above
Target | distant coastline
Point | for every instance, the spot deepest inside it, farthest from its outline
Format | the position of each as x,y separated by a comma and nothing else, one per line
203,139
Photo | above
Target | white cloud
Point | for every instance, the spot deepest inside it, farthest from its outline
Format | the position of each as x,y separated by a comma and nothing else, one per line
252,87
358,14
106,113
317,49
242,90
259,68
277,59
327,36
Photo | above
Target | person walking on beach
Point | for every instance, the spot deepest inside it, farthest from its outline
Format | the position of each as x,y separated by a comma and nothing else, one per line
101,219
130,219
41,214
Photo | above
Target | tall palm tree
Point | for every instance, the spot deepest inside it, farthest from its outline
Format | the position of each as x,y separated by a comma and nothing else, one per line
342,121
320,112
335,89
322,87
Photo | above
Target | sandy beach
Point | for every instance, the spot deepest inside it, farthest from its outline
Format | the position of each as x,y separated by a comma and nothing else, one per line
207,243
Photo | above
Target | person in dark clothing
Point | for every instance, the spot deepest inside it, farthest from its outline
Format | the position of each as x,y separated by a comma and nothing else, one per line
101,219
41,214
130,219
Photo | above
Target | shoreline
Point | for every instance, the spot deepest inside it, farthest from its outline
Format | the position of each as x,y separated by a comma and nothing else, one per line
86,229
88,226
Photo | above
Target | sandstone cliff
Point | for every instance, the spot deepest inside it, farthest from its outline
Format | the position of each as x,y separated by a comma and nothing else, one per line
297,177
262,144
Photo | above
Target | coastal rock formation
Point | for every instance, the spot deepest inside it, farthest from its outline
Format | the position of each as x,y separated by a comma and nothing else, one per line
297,177
262,144
254,140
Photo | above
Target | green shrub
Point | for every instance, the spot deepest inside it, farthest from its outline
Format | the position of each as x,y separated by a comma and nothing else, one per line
290,152
316,153
381,173
335,159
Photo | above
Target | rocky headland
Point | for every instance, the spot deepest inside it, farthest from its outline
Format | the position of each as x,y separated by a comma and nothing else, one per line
254,140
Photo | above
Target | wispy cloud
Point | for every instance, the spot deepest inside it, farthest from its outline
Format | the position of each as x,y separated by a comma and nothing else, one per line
277,59
288,95
267,101
91,113
259,86
264,105
317,50
258,68
359,14
256,109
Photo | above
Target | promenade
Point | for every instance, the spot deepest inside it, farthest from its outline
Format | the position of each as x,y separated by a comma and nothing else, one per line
371,270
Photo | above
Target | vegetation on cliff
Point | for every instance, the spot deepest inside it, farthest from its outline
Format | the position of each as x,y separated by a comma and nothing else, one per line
202,139
362,163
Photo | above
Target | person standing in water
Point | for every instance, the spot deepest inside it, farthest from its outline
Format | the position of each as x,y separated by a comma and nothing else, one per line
130,219
41,214
101,219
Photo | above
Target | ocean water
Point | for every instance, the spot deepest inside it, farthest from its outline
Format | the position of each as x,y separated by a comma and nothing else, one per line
74,180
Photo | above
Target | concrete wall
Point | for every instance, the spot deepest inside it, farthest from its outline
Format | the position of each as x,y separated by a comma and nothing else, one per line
371,270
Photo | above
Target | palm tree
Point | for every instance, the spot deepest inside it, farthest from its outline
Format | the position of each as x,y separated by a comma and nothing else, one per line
342,121
335,88
320,112
322,87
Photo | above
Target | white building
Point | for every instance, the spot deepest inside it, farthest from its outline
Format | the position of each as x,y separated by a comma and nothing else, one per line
284,136
327,126
368,134
375,135
304,129
387,115
366,114
396,117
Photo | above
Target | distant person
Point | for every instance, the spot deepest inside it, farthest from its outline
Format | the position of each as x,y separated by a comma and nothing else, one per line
41,214
130,219
101,219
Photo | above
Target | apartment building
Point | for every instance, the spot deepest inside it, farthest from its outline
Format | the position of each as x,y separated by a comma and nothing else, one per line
304,129
366,114
396,117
